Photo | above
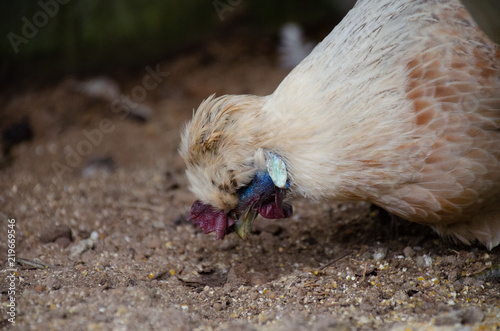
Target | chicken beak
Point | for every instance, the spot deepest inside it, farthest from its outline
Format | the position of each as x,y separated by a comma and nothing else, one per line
243,225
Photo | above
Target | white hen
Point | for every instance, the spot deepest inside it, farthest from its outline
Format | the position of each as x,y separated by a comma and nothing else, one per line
399,106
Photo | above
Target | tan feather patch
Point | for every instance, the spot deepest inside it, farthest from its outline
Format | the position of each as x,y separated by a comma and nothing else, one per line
455,90
210,142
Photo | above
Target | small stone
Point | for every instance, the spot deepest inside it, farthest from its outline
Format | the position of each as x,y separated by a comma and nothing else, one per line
39,288
472,315
271,295
53,233
159,225
104,164
258,279
227,288
366,256
206,289
155,291
84,234
450,259
53,284
380,253
408,252
154,243
63,242
217,306
452,276
424,261
253,295
131,253
400,296
82,247
88,256
301,293
470,281
238,275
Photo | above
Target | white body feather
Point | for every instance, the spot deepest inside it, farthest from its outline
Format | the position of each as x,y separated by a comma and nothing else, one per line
399,106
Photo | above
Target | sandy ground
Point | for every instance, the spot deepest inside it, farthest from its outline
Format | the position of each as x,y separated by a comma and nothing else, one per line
100,202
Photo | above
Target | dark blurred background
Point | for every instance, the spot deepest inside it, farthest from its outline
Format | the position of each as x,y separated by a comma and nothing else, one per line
50,43
49,38
65,63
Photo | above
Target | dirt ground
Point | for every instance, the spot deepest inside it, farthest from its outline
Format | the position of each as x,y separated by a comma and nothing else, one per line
100,202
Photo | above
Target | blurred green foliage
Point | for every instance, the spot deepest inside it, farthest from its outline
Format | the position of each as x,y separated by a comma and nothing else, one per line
54,37
64,36
93,33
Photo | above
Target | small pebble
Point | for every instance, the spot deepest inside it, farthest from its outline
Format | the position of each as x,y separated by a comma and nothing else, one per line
258,279
154,243
452,276
408,252
366,256
51,234
83,246
380,253
472,315
53,284
424,261
227,288
238,275
63,242
450,259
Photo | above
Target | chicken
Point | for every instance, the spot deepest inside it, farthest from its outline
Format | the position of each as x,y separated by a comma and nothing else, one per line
399,106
